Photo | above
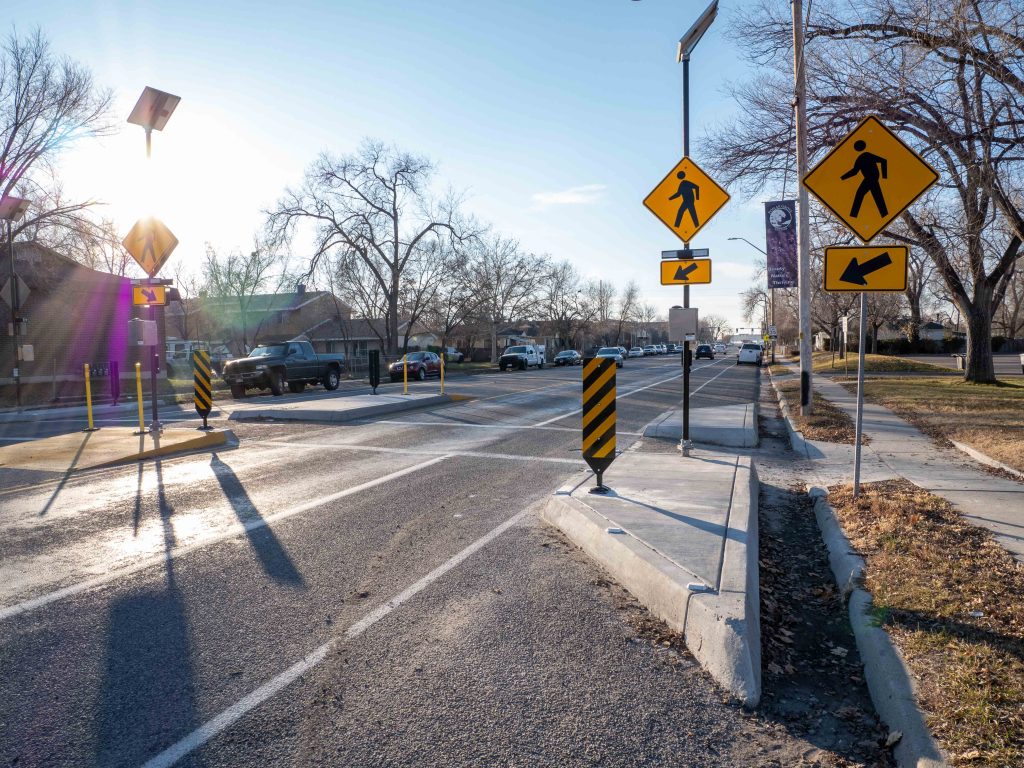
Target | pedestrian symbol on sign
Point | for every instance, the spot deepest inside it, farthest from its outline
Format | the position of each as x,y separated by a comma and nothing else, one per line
868,166
689,193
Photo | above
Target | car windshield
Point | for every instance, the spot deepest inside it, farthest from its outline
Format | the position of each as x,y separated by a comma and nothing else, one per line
268,351
565,354
415,356
521,350
608,351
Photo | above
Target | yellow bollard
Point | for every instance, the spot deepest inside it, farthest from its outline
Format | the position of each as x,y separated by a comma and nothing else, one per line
88,399
138,395
442,372
405,375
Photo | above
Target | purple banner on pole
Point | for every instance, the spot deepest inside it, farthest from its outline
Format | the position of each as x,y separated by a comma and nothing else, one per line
780,237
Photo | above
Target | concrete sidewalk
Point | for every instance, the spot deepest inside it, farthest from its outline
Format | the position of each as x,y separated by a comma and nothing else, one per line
730,425
899,449
681,535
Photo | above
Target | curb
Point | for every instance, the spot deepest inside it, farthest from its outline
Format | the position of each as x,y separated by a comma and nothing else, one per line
796,438
722,628
889,681
977,455
338,417
198,443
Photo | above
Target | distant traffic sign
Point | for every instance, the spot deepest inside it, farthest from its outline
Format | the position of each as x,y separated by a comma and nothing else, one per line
23,291
145,295
876,268
686,199
150,243
870,178
773,332
685,271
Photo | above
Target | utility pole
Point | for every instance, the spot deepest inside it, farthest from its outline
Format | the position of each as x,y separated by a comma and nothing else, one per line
803,232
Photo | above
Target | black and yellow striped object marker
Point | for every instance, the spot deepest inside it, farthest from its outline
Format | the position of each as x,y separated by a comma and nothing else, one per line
599,416
202,391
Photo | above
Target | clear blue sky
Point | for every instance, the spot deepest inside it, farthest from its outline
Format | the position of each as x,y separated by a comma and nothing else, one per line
556,118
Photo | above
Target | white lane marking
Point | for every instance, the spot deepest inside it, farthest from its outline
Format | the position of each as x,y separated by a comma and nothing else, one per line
427,452
74,589
458,425
275,685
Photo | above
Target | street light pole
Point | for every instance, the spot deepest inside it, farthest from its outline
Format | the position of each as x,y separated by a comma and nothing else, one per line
803,217
686,45
771,290
12,209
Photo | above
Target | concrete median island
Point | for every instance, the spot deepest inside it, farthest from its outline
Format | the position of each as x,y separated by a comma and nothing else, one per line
681,536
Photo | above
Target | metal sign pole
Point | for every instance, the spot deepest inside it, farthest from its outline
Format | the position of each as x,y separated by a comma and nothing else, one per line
154,363
860,392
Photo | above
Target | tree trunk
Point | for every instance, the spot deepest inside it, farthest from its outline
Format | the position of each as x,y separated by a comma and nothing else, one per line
914,332
980,368
392,320
494,343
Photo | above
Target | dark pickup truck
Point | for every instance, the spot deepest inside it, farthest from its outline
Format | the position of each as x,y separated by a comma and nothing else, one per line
274,366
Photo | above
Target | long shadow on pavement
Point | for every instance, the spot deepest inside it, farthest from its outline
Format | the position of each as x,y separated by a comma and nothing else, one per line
272,556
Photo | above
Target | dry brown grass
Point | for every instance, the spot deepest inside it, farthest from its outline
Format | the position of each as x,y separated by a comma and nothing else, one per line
828,423
953,602
824,363
988,417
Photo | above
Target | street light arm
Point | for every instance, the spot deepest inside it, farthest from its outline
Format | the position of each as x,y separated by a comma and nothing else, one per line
750,244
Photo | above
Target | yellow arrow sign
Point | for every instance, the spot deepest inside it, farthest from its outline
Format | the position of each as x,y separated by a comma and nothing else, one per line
685,271
686,199
870,178
143,295
875,268
150,243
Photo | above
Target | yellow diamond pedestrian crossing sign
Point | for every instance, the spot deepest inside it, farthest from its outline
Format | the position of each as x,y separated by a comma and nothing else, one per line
150,243
686,199
869,178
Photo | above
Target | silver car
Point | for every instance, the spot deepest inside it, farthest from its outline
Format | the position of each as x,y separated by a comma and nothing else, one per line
613,353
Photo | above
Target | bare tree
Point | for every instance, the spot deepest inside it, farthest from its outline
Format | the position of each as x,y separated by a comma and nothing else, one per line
883,308
454,299
628,308
375,206
186,321
506,281
237,278
950,80
716,325
566,303
47,103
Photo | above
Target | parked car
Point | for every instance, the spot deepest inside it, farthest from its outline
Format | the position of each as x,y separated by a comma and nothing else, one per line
421,365
662,349
750,353
452,355
274,366
636,352
612,352
704,350
623,351
521,356
569,357
650,350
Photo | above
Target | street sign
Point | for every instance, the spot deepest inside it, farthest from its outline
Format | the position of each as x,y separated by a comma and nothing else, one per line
766,337
687,253
686,199
869,178
874,268
685,271
150,243
5,292
202,391
143,295
599,415
682,322
773,332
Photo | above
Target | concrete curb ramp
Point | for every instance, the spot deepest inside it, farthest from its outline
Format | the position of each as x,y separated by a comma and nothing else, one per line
889,681
734,426
337,410
107,447
721,626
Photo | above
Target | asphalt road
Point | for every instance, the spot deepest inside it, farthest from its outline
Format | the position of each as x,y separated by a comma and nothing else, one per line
369,594
1005,365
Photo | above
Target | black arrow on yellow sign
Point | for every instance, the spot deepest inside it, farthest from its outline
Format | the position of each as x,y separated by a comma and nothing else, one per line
857,273
684,273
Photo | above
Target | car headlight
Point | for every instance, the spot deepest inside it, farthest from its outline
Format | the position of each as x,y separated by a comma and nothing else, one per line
261,367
